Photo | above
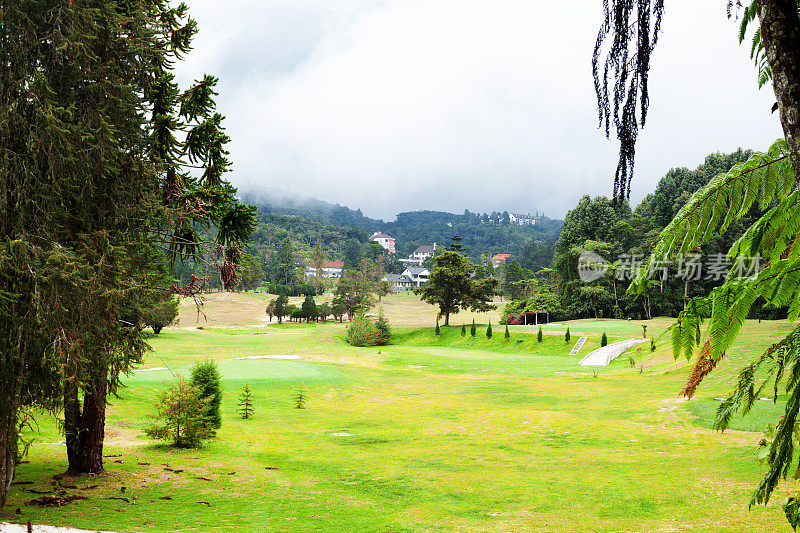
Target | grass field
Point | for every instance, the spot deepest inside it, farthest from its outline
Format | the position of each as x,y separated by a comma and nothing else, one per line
444,433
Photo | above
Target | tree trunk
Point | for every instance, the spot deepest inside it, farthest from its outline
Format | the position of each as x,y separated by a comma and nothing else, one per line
8,449
85,428
447,319
780,33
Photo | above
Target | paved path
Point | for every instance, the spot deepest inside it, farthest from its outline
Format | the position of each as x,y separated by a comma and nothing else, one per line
603,356
5,527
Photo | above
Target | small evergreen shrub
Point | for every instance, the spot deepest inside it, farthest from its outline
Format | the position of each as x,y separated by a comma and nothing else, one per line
539,334
182,416
205,376
507,334
489,330
473,331
438,332
566,335
604,340
246,403
362,332
463,330
652,345
300,398
384,331
644,331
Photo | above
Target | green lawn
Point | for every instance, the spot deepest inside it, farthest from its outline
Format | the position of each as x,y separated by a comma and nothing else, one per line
444,433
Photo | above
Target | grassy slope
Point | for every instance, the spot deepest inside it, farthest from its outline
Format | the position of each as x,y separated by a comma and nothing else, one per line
447,433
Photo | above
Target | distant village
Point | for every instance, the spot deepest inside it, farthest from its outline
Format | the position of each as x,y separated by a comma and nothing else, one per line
415,274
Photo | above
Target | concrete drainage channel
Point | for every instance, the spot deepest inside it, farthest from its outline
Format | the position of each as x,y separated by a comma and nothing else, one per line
603,356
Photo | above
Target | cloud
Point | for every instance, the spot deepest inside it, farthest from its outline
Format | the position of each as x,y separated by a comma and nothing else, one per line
441,104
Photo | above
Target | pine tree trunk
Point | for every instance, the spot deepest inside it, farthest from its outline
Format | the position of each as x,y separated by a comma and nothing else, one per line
780,33
85,428
8,450
447,319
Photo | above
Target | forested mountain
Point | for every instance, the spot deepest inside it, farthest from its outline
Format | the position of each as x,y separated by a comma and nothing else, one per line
307,220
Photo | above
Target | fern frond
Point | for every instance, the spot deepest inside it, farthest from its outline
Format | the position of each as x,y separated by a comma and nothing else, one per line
727,197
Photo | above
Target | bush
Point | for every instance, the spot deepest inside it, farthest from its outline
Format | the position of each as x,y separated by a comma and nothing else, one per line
437,331
604,340
161,314
507,335
296,314
182,416
361,332
539,334
246,403
473,331
652,345
323,312
205,376
489,330
463,330
566,335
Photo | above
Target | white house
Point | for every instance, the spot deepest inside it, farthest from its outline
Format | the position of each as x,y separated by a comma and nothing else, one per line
399,282
419,255
330,269
417,275
384,240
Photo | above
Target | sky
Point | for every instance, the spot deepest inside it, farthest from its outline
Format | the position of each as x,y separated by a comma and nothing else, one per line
401,105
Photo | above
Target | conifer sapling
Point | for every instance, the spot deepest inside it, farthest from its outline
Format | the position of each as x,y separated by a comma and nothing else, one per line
489,330
539,334
246,403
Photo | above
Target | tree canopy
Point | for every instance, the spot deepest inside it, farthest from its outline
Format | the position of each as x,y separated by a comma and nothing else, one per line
451,287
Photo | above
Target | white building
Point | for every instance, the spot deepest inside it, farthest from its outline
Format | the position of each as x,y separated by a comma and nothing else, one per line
330,269
384,240
522,220
419,255
417,275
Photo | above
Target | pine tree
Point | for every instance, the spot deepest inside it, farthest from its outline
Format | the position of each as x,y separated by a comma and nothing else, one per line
566,335
182,416
539,334
384,335
463,330
300,398
489,330
507,334
309,308
604,340
206,377
473,330
246,403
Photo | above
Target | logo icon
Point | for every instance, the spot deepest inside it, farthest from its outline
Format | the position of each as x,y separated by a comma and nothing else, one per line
591,266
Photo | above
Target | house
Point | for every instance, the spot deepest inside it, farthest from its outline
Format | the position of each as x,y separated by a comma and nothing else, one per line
522,220
399,282
499,259
384,240
419,255
330,269
417,275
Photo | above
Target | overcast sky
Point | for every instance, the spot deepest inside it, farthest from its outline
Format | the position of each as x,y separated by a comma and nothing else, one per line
399,105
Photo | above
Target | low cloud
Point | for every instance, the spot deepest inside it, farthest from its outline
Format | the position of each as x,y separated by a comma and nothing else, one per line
444,104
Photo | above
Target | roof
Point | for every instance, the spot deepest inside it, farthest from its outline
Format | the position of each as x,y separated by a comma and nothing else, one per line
424,249
500,257
416,270
380,235
518,215
332,264
398,278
